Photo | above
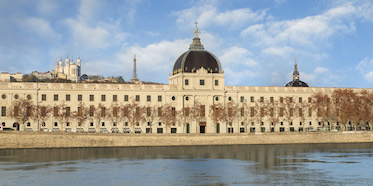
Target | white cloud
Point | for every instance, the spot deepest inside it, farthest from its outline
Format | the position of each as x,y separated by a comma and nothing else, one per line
320,70
369,76
90,33
237,57
208,15
365,67
278,51
40,28
306,31
46,7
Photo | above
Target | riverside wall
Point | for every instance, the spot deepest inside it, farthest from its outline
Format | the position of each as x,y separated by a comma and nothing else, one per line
10,140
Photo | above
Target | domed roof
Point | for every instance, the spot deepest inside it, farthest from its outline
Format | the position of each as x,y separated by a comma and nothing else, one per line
197,57
192,60
296,83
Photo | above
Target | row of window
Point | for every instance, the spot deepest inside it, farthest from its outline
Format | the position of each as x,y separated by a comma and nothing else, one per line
201,82
271,99
103,97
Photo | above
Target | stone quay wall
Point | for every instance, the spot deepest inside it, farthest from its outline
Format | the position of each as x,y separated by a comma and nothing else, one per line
11,140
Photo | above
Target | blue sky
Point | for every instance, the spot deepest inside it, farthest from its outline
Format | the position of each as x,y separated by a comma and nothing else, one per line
256,41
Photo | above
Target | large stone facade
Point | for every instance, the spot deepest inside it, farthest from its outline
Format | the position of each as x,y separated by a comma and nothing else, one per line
196,83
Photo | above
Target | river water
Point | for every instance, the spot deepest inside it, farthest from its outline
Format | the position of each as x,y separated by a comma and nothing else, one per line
303,164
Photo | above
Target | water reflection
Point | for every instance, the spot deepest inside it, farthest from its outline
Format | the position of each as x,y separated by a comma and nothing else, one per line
237,164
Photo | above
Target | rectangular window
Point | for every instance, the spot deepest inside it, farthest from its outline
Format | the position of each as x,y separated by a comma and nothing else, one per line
92,111
44,97
137,98
216,82
115,112
201,82
271,99
186,112
103,97
173,130
67,97
300,112
300,100
252,111
43,111
291,99
55,124
55,97
159,98
242,130
291,112
203,110
103,124
252,99
309,99
242,99
242,112
173,111
125,111
159,130
3,111
271,111
262,129
261,99
91,97
125,97
309,112
281,99
148,98
281,112
67,111
80,97
159,111
79,111
91,124
55,111
186,82
252,129
115,98
103,111
148,111
15,111
68,124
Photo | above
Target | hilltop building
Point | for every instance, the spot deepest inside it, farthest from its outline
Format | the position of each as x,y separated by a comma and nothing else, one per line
188,104
69,71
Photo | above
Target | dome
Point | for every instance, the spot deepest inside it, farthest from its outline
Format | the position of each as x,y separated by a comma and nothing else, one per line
296,83
192,60
197,57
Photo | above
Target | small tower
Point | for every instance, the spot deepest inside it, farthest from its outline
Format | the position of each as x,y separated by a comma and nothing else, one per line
196,44
78,62
295,73
134,74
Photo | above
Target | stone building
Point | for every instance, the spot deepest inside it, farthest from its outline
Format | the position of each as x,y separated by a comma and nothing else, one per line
69,71
196,89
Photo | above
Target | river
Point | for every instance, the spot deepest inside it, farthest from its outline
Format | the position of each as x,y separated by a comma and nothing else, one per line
297,164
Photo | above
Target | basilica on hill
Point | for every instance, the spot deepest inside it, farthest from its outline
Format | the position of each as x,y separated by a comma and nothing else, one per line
196,100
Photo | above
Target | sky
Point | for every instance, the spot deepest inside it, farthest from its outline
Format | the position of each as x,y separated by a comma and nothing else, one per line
256,41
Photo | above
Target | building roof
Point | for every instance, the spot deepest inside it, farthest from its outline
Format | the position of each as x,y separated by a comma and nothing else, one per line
197,57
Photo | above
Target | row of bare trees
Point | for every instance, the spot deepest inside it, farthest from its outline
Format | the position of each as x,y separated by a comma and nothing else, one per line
343,107
349,109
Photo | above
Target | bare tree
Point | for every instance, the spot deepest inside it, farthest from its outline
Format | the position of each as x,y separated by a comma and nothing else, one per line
42,113
135,114
100,114
81,115
114,116
273,112
260,111
64,114
232,112
168,116
151,115
217,113
183,117
288,110
22,111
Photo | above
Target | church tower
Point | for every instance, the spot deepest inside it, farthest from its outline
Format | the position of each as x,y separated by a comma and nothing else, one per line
134,74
